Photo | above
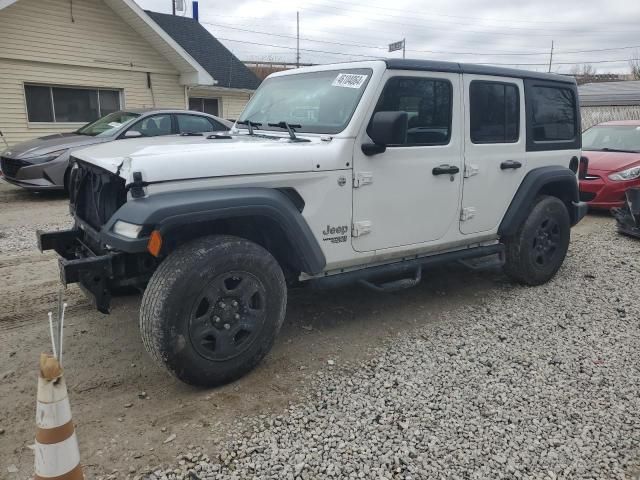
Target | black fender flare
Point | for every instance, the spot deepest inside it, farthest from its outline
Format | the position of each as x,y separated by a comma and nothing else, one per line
534,182
170,210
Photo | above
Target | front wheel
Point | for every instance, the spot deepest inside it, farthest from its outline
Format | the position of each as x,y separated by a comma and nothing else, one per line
212,309
536,252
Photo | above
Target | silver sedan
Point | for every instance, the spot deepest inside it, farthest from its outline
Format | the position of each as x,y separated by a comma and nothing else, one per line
43,163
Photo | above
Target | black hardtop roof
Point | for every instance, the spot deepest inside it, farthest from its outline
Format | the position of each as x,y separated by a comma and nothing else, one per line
438,66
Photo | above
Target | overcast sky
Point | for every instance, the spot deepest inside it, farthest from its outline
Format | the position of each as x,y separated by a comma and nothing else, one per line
510,32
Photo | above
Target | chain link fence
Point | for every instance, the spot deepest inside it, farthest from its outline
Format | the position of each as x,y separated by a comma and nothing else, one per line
594,115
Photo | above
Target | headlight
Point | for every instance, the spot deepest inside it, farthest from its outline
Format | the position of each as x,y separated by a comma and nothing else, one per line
628,174
48,157
129,230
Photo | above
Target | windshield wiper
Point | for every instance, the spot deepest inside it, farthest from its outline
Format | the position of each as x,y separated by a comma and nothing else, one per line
249,125
191,134
290,128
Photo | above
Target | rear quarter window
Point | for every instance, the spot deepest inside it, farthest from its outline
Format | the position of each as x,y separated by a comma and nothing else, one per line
553,118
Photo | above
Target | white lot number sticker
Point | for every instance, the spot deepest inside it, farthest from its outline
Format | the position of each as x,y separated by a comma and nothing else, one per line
349,80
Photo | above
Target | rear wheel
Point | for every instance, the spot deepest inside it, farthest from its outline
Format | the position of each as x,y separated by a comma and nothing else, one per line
212,309
536,252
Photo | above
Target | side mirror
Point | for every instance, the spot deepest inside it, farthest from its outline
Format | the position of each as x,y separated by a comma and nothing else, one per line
386,128
132,134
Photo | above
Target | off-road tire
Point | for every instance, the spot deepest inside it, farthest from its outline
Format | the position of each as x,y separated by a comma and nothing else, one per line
536,252
168,303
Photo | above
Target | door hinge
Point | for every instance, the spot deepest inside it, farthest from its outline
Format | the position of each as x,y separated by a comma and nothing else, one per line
362,178
471,170
361,228
467,213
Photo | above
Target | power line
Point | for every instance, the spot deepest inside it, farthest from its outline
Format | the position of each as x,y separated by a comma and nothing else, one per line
418,16
552,30
352,34
386,21
624,60
360,45
434,14
298,39
372,57
600,49
450,16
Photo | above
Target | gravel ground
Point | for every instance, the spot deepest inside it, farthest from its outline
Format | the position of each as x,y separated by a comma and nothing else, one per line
489,380
20,238
523,383
23,212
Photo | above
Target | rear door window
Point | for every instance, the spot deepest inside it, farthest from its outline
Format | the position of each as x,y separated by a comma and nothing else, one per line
193,124
494,112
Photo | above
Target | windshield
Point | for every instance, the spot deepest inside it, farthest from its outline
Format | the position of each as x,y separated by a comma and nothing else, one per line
612,137
108,124
319,102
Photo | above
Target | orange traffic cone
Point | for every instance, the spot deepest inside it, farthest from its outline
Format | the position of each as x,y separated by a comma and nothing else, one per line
56,449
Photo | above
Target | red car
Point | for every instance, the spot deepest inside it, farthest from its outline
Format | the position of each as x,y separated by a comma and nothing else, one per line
613,150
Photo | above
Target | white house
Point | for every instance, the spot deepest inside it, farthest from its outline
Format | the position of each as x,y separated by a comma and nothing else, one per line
64,63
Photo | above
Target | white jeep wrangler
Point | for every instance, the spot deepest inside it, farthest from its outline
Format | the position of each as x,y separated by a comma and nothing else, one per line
361,172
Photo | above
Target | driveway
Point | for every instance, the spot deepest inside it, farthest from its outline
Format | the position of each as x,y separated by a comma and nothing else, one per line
464,376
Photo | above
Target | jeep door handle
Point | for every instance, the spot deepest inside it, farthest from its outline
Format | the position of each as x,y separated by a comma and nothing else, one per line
507,164
445,170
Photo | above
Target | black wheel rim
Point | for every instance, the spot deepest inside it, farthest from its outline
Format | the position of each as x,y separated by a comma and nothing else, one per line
546,243
228,316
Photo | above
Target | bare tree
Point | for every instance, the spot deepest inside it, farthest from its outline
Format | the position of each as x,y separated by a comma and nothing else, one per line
584,73
634,65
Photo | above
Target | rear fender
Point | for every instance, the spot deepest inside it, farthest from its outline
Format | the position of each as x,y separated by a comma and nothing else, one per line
556,181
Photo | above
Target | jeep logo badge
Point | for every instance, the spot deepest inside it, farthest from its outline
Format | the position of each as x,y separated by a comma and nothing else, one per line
335,234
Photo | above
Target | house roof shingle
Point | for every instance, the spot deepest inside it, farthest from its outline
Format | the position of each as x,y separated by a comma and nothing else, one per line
610,93
214,57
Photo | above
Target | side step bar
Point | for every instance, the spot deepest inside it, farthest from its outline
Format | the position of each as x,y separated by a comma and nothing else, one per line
395,285
366,275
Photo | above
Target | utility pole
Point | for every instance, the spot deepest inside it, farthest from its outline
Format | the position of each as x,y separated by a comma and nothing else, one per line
173,6
551,56
404,47
298,40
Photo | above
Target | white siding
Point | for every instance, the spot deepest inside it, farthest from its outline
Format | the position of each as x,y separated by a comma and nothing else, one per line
42,45
232,102
46,31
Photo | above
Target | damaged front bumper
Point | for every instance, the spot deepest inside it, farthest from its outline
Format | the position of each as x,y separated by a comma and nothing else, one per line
97,272
78,263
628,216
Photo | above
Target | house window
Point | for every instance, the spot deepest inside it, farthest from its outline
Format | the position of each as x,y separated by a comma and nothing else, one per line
64,104
494,112
205,105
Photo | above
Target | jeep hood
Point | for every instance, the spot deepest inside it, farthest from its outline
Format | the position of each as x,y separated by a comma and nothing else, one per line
188,157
